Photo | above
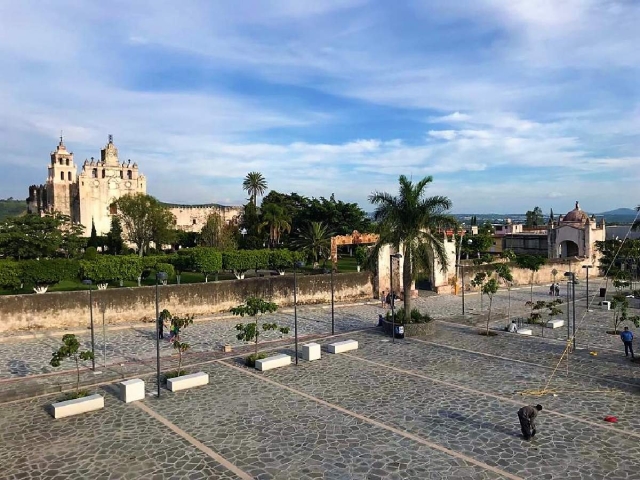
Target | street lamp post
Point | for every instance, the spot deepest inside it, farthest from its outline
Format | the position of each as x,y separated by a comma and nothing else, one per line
332,312
461,267
572,276
93,338
296,265
159,276
393,296
587,267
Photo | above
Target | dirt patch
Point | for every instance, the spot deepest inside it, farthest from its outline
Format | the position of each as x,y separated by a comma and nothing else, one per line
484,333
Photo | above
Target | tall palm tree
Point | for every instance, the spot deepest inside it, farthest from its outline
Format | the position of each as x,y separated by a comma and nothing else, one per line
314,240
278,221
413,221
254,184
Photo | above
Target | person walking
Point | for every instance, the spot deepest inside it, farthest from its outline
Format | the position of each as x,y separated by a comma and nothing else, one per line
527,416
383,298
557,289
627,338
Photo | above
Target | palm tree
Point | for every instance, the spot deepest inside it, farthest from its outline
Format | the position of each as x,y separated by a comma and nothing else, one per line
413,222
276,218
315,241
254,184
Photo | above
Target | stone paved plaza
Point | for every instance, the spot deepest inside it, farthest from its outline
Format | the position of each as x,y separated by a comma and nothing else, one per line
439,407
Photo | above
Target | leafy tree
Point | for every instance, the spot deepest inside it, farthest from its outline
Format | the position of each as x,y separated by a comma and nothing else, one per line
32,236
620,305
216,234
277,220
9,207
46,272
101,270
254,184
207,261
93,239
72,240
144,220
280,259
506,277
241,261
9,274
537,308
478,282
314,241
182,261
413,223
508,255
166,268
361,255
115,244
535,218
490,288
178,324
531,263
254,307
71,349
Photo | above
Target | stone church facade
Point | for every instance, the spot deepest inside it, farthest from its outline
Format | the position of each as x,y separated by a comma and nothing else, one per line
87,197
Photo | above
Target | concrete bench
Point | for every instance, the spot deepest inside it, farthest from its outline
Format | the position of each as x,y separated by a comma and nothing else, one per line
187,381
557,323
269,363
77,406
344,346
131,390
606,305
311,351
525,331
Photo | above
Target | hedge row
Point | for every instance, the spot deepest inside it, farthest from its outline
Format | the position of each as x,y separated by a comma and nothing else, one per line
106,268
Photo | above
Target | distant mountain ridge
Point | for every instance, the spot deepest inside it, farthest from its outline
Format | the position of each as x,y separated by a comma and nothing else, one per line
620,211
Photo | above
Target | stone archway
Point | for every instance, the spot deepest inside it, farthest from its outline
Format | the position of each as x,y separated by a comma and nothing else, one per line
569,248
356,238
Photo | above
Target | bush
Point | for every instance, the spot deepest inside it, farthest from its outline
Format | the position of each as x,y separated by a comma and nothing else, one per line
48,271
250,361
9,274
416,316
280,259
361,255
90,253
166,268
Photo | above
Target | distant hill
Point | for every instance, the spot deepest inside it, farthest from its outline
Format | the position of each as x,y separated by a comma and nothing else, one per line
11,208
620,212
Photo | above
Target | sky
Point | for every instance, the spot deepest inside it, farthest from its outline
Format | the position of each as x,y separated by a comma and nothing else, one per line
507,104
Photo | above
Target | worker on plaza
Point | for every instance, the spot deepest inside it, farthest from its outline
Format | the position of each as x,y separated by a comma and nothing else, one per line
627,339
513,327
527,416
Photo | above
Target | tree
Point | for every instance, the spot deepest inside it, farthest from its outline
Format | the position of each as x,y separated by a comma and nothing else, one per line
144,220
278,221
254,184
478,282
620,305
535,316
32,236
71,349
535,218
490,289
9,274
361,256
531,263
72,240
46,272
177,325
413,224
314,241
216,234
281,259
254,307
506,277
206,261
115,243
93,239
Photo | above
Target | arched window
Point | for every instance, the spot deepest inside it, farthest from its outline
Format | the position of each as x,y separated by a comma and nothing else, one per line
61,175
113,209
103,173
69,176
121,174
129,174
67,162
94,173
60,161
195,221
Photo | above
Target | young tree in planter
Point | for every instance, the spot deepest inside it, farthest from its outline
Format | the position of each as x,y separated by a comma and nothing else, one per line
620,305
254,307
531,263
71,349
478,282
538,307
361,256
554,273
505,276
490,289
177,325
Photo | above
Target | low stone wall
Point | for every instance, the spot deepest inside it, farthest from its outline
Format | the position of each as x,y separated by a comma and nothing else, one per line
412,329
71,309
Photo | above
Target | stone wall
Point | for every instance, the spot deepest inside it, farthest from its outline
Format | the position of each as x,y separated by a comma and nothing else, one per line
71,309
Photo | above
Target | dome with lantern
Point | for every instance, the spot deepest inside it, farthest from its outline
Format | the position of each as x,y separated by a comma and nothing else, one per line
576,215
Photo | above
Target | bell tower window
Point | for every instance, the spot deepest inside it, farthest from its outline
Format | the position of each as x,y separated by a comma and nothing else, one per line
121,174
129,174
61,175
94,173
67,162
69,176
103,173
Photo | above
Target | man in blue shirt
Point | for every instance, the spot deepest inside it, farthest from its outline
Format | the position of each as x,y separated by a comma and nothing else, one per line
627,339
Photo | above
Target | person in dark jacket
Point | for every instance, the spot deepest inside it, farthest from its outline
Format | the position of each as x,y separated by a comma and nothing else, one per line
627,339
527,416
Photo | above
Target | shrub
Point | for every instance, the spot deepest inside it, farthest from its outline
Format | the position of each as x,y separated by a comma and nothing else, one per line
361,255
250,361
48,271
9,274
415,317
166,268
90,253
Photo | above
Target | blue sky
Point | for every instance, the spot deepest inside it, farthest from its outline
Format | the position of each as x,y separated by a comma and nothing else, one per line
508,104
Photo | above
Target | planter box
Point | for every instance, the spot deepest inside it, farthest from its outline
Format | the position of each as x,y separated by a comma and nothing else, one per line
525,331
606,305
276,361
555,323
77,406
311,351
344,346
412,329
131,390
226,348
187,381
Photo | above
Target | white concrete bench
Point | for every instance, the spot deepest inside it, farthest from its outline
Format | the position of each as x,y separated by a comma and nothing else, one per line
187,381
131,390
269,363
557,323
606,305
525,331
344,346
311,351
77,406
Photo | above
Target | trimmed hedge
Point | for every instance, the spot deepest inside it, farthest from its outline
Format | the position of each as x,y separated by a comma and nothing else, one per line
9,274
